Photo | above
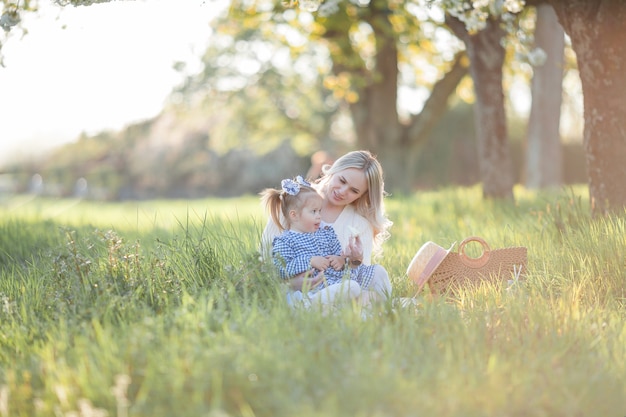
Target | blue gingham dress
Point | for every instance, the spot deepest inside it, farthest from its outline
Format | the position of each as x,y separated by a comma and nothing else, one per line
292,253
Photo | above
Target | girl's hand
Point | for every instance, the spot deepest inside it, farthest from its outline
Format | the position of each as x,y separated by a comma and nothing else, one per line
337,262
320,263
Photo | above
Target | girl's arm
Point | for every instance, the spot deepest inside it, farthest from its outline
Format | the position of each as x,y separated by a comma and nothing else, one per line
298,265
287,260
335,253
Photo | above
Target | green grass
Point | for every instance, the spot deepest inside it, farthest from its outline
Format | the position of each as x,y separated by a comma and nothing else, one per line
162,308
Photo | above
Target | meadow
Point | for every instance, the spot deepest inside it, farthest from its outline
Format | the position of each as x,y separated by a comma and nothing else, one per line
163,308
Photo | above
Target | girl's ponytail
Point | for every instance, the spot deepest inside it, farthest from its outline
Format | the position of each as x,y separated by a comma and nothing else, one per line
272,199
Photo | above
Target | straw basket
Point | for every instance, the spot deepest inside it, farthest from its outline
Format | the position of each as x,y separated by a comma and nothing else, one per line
458,269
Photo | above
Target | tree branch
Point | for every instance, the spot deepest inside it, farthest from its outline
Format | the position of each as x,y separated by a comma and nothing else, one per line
434,108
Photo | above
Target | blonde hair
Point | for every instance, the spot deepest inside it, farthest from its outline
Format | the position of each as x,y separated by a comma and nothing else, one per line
370,204
279,203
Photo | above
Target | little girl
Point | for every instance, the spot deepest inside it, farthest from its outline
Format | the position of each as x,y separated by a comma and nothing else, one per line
305,247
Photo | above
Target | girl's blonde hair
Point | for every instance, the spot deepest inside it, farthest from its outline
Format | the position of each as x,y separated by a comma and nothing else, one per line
280,202
370,204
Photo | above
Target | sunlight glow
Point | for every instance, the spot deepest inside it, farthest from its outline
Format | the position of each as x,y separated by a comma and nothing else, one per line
87,69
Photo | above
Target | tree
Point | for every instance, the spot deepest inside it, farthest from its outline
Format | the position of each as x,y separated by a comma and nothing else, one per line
263,92
486,55
544,156
597,33
368,43
487,29
596,29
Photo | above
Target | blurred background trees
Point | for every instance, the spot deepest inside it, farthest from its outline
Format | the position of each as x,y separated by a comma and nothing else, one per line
597,33
426,85
544,158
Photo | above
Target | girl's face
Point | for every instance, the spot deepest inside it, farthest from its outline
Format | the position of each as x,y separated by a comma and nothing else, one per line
309,218
344,187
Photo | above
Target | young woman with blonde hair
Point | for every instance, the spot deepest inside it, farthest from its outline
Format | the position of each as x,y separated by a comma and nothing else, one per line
352,189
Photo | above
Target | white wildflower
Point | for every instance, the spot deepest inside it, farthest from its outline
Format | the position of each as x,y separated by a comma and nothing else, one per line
310,5
9,19
537,57
514,6
329,7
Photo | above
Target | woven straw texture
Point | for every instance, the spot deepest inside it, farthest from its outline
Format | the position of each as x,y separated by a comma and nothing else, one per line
458,269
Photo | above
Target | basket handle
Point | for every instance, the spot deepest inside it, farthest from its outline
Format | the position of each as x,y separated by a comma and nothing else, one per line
474,262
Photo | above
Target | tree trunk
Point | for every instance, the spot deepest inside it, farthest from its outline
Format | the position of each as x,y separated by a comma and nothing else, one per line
597,31
375,114
544,158
486,60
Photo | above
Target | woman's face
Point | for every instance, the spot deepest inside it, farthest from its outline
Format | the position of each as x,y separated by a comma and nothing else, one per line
344,187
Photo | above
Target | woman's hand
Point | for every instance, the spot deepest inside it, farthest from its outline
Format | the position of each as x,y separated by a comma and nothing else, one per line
355,248
305,281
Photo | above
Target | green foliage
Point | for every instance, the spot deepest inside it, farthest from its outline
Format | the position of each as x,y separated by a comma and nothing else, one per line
261,83
164,308
275,71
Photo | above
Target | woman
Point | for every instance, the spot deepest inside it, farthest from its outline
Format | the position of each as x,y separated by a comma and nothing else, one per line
353,193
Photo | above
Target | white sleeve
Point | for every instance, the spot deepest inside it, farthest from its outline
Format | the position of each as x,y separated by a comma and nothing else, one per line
269,233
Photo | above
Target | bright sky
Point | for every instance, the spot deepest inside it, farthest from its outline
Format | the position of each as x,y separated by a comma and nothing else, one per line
112,65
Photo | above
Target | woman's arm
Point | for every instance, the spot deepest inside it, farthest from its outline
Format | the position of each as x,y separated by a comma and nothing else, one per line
267,238
305,281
